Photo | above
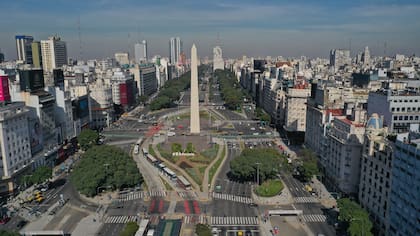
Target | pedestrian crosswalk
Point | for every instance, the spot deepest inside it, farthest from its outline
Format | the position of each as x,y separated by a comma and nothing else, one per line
190,219
305,200
140,195
233,220
314,218
231,197
187,194
120,219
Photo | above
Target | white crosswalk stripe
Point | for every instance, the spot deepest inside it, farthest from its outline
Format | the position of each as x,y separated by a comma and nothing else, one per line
305,200
189,219
157,193
131,196
231,197
314,218
233,220
187,194
120,219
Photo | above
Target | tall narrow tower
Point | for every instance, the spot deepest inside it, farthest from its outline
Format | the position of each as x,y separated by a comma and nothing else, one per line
195,111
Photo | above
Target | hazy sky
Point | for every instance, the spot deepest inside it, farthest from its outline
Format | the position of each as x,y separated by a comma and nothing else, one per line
253,28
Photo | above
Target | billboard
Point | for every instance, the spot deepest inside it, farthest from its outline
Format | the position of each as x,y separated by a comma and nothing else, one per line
4,88
35,131
31,80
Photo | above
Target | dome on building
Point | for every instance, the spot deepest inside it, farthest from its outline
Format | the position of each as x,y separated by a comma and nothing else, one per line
374,122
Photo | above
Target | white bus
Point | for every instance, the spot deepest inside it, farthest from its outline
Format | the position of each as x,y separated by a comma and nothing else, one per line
143,227
170,173
183,182
152,159
145,152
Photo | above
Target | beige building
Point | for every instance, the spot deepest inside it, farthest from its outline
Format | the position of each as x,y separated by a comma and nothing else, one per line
295,118
101,104
54,53
122,58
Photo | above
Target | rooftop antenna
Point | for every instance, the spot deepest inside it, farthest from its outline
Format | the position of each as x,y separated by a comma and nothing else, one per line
80,38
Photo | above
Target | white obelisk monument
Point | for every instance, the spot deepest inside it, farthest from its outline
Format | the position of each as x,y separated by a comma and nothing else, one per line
195,110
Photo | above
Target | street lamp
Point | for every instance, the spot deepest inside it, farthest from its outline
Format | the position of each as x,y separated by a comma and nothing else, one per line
258,173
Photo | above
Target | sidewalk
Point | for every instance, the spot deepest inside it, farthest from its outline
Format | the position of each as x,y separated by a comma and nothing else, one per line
326,199
88,226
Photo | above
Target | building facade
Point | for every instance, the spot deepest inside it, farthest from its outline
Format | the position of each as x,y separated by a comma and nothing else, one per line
218,62
140,52
54,53
175,50
24,48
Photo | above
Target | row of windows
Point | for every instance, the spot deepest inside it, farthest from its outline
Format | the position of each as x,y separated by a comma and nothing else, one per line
405,101
406,118
409,109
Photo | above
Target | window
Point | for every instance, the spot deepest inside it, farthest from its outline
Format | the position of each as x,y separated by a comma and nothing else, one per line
393,109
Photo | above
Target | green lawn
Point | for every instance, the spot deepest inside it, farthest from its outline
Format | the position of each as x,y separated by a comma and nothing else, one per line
211,152
216,165
151,150
269,188
193,174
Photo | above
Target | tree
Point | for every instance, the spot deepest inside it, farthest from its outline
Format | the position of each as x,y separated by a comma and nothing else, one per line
130,229
176,147
355,217
105,167
309,165
190,148
202,230
266,160
41,174
4,232
87,138
143,99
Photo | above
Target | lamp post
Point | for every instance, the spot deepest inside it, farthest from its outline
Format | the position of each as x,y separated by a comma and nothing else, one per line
258,173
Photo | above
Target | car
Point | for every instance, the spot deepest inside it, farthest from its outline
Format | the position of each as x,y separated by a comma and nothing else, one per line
4,220
253,204
248,233
21,223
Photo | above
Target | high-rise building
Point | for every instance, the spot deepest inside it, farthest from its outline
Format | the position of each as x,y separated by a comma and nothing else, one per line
54,53
1,57
366,57
36,54
375,173
404,198
24,48
140,52
218,62
339,58
122,58
175,50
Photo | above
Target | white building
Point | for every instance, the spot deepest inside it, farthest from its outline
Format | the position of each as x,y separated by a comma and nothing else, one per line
218,62
14,143
140,52
101,106
341,160
375,173
54,53
24,48
175,50
339,58
122,58
295,116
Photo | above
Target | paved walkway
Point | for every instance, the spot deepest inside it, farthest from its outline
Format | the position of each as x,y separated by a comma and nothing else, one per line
206,184
88,226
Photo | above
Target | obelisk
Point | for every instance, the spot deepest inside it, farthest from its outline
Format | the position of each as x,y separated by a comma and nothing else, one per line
195,110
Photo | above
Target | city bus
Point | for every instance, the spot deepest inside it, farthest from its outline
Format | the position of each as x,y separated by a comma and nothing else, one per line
152,159
183,182
145,152
170,173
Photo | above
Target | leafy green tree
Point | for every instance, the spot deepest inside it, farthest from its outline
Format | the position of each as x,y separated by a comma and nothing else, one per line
41,174
143,99
190,148
267,160
202,230
105,167
355,216
309,165
4,232
176,147
130,229
87,138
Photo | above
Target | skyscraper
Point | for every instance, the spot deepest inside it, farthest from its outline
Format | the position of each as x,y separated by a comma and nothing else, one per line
36,54
23,48
140,52
339,58
194,110
54,53
366,57
175,50
218,62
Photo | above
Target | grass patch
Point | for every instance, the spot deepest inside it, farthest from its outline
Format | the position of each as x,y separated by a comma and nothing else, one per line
167,185
211,152
167,155
193,174
202,169
216,165
151,150
269,188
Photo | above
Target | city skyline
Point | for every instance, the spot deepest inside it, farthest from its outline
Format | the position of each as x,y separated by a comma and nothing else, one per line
245,27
